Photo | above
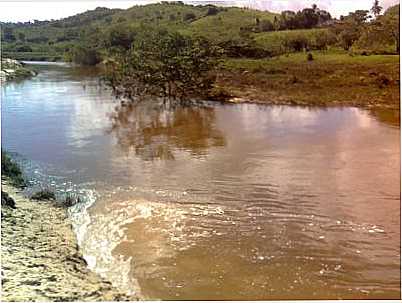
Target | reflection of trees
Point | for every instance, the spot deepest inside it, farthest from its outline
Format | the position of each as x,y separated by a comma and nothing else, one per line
154,132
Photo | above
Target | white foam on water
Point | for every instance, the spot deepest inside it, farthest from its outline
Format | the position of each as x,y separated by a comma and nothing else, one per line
98,249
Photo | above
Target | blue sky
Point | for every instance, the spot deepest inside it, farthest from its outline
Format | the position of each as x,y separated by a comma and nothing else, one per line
22,10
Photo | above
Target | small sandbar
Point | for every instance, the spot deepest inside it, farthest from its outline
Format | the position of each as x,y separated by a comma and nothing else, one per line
40,257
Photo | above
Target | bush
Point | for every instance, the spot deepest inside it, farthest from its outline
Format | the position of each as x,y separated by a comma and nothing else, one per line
71,200
6,200
295,44
44,194
240,49
189,17
11,170
85,56
23,48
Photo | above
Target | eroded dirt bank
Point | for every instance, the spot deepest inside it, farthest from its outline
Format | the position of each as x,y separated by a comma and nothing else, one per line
40,258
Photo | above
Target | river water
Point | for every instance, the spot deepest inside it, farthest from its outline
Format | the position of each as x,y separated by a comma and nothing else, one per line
216,201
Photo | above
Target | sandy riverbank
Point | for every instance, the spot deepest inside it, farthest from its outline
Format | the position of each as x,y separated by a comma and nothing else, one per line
40,258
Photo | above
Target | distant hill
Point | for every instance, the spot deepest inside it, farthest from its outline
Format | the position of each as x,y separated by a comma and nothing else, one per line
52,39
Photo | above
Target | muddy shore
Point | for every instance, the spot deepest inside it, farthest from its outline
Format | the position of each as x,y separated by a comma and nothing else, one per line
40,257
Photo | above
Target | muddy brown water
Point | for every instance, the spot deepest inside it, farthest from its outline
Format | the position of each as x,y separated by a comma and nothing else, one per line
216,201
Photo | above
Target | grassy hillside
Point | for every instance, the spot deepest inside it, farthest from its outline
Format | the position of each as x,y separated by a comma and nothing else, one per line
53,39
332,78
228,24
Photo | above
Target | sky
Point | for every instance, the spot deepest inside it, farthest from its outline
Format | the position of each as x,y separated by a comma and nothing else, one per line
23,10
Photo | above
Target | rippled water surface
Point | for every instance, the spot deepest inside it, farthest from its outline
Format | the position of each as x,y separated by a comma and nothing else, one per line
216,201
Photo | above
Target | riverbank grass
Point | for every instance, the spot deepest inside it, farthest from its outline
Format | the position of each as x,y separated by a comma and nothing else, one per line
329,79
11,169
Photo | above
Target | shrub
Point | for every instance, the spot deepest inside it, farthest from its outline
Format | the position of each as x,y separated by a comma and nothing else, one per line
71,200
6,200
85,56
295,44
23,48
44,194
11,170
189,17
266,26
239,49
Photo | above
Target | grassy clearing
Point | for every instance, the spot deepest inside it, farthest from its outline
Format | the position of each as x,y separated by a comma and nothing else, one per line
332,78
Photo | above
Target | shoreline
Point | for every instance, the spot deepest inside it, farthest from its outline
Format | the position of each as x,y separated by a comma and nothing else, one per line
12,69
41,259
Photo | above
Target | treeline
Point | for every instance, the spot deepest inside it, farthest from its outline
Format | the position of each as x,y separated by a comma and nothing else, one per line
370,33
288,20
90,37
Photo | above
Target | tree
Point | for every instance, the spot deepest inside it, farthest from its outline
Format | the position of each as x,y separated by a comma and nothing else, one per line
382,33
266,26
351,28
376,9
163,64
85,56
118,36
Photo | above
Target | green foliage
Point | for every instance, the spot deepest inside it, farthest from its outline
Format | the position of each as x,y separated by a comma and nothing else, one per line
282,42
164,64
94,35
239,48
118,38
350,28
379,36
304,19
10,169
85,56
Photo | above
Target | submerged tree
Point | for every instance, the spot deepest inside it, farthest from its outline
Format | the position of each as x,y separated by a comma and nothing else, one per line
164,64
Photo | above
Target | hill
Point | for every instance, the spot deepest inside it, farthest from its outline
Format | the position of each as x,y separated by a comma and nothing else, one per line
52,40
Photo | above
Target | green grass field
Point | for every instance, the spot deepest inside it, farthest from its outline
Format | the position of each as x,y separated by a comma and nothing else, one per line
332,78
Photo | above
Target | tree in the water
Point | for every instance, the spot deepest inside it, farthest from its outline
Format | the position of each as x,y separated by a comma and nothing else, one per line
164,64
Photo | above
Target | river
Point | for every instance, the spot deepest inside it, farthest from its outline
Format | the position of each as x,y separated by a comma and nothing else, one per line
216,201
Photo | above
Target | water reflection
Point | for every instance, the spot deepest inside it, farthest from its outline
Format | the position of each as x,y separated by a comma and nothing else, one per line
155,130
260,202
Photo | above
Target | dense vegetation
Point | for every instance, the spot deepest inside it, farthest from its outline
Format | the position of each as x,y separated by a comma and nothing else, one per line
164,64
171,49
90,36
